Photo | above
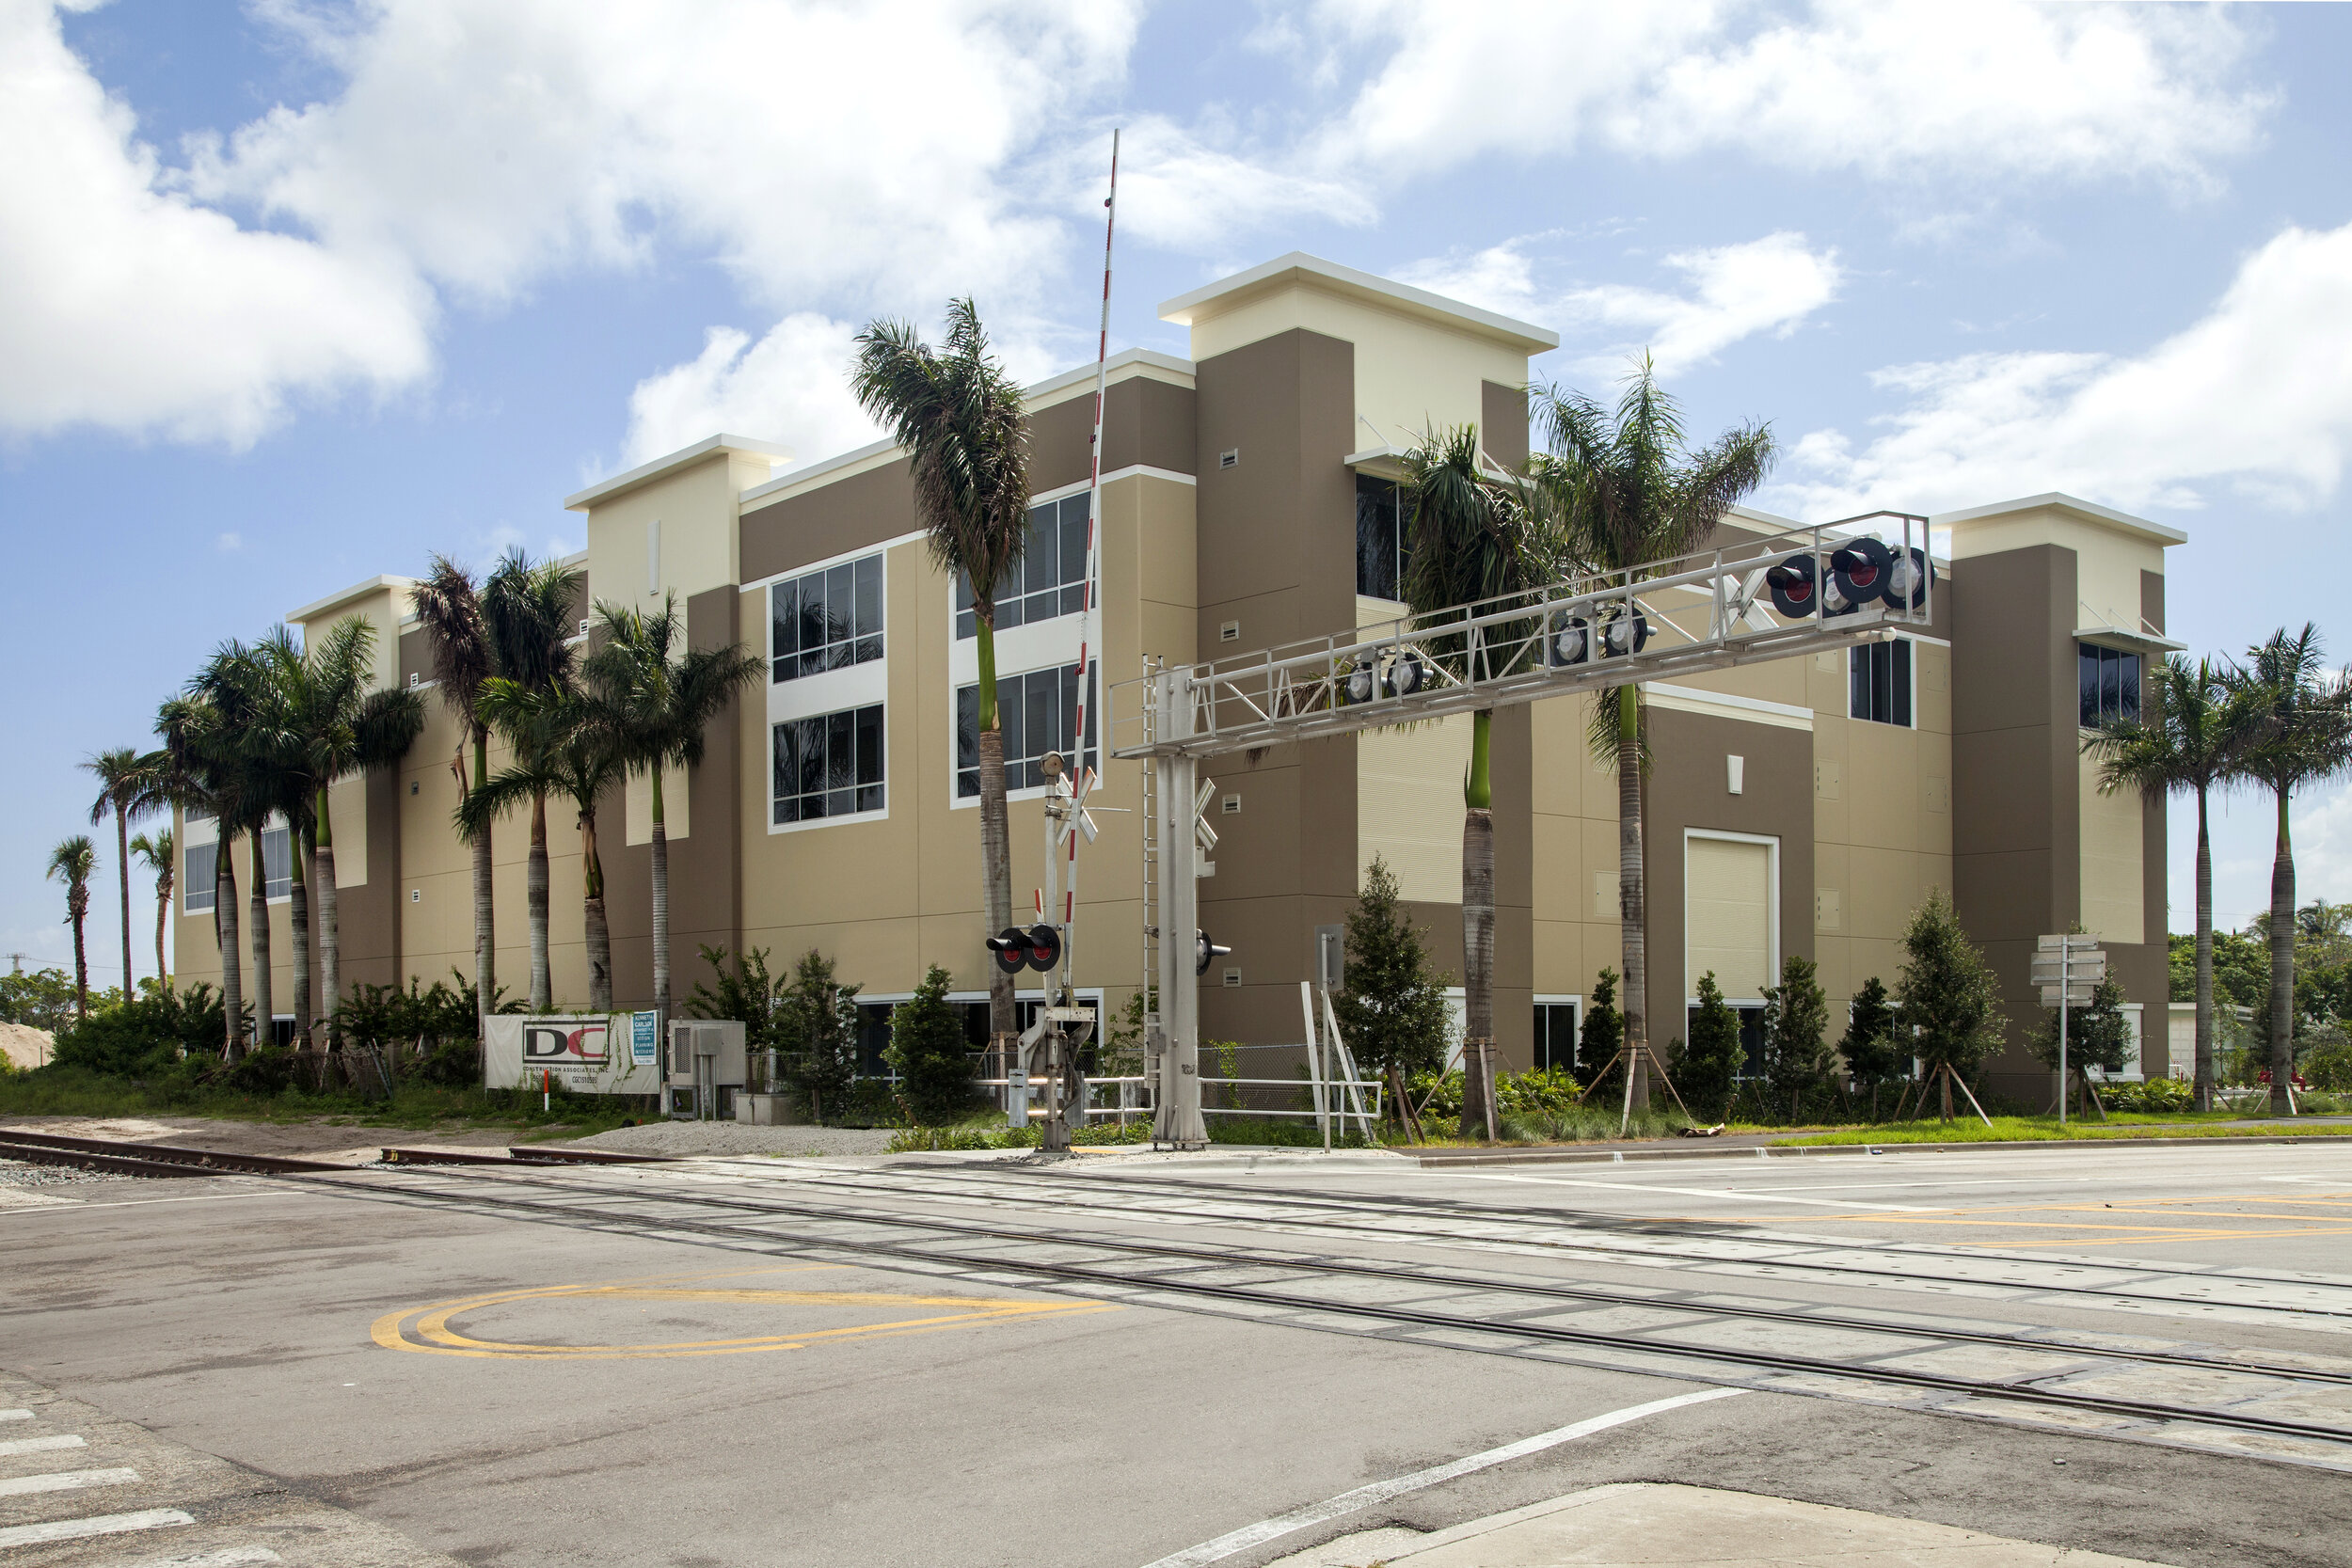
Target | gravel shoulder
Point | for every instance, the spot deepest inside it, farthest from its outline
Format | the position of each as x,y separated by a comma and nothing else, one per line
685,1138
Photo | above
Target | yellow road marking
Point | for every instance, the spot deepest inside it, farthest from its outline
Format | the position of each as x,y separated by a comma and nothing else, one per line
434,1336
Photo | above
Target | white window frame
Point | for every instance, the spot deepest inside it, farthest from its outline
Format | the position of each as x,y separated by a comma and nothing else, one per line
1771,953
766,589
1911,663
969,645
188,882
883,815
957,682
1555,999
2135,1070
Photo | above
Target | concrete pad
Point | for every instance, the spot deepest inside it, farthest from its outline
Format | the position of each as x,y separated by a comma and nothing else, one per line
1675,1525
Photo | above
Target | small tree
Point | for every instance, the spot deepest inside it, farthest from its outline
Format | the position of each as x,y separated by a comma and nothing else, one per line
1798,1061
1391,1008
749,995
1707,1069
1946,997
929,1053
1604,1030
817,1022
1872,1053
2098,1036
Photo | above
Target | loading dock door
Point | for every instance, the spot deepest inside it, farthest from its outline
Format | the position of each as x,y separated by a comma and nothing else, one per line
1727,914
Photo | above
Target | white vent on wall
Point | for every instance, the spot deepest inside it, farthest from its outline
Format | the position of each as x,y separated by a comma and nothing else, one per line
1232,979
583,628
1232,805
1230,458
1735,773
1229,631
412,680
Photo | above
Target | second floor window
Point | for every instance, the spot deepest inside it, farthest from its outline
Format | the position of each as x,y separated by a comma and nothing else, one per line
200,875
829,766
1050,578
1379,539
2108,680
1036,712
1880,673
826,620
277,863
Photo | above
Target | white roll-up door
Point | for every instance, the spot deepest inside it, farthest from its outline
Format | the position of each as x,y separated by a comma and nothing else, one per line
1728,916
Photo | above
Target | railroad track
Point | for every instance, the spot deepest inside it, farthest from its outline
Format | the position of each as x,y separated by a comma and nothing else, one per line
125,1158
1615,1240
1875,1359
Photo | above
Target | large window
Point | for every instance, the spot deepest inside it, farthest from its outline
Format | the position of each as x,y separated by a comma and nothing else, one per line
277,863
1036,712
1379,539
1881,678
1751,1037
1050,578
829,766
2109,684
199,876
1556,1024
826,620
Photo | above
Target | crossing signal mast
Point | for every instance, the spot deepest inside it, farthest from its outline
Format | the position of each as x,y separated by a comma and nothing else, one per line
1769,597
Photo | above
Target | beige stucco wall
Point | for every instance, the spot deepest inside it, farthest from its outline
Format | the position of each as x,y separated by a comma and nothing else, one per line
2113,834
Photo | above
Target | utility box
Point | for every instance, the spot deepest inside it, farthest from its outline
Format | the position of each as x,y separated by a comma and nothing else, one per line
706,1069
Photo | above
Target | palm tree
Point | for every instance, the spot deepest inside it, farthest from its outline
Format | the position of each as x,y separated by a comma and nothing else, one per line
71,864
155,851
1626,492
121,794
2299,731
961,417
336,727
451,612
258,777
1472,542
527,613
660,706
568,747
196,773
2186,738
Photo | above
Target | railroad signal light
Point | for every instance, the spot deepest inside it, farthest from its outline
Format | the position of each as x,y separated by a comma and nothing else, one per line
1406,674
1793,584
1011,947
1044,947
1203,951
1571,641
1624,634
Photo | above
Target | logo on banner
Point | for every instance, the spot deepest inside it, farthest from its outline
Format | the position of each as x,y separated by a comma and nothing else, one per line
565,1044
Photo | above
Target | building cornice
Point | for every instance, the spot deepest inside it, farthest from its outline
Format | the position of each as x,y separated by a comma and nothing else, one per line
644,473
1299,268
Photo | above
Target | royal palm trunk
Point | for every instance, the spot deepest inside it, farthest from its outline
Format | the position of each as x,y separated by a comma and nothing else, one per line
1632,901
542,987
163,909
2205,959
995,834
257,902
77,906
484,923
1478,934
2283,969
122,859
299,944
330,931
224,935
600,934
661,908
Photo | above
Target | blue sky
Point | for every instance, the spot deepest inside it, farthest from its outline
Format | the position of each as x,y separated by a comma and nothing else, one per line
292,293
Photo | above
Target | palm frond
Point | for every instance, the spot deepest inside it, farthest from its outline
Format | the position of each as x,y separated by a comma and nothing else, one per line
449,609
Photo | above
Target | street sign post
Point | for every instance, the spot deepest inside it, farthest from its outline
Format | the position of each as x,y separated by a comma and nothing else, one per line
2067,968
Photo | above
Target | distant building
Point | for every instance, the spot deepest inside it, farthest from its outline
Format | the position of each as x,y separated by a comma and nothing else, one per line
1804,806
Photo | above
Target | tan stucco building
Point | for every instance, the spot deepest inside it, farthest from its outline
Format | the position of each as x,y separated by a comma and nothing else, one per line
1804,806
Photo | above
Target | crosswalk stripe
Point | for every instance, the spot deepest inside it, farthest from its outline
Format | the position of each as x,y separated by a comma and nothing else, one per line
101,1523
227,1557
40,1445
15,1415
65,1481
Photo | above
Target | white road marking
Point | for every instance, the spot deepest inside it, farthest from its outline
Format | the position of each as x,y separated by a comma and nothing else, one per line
65,1481
141,1202
1698,1191
40,1445
102,1524
15,1415
227,1557
1235,1542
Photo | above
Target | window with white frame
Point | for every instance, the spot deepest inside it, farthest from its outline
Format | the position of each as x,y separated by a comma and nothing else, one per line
1558,1024
829,765
1880,675
2108,683
1379,539
1048,580
828,619
277,863
199,876
1036,712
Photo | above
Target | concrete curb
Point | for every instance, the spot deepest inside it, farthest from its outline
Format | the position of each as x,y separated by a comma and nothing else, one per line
1775,1152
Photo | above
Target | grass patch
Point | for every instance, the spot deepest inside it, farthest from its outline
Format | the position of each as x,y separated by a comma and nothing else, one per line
412,1107
2046,1130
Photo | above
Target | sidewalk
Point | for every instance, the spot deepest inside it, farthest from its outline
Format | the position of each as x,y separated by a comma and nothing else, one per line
1671,1526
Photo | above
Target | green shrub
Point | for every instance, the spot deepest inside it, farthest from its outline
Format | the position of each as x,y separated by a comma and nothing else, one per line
929,1053
266,1070
2156,1094
453,1064
144,1036
1706,1068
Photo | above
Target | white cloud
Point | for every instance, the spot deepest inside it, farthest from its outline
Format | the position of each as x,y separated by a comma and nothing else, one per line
125,305
1769,285
230,543
2256,396
791,387
1193,188
1986,91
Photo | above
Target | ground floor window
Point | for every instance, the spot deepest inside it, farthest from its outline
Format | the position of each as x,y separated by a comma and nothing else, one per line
829,766
1036,711
1558,1022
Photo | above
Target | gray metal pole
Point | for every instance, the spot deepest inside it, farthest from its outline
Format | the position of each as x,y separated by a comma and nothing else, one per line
2066,977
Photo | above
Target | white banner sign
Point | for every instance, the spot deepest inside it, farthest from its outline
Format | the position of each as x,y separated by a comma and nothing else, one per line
586,1055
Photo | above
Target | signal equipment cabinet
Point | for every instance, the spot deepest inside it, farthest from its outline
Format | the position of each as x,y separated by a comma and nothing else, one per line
708,1069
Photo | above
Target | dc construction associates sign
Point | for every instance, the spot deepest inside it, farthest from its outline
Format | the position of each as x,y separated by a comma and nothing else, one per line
592,1054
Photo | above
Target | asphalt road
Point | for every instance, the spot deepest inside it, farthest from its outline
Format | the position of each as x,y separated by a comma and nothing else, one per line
511,1387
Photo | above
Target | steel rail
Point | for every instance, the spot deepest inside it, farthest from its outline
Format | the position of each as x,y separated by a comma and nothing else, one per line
141,1159
1650,1228
1765,1361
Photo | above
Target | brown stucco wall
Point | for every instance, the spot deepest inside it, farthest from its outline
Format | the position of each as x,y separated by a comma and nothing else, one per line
817,525
1144,421
1502,431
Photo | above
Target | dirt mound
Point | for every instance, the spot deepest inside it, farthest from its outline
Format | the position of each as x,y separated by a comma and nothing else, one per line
23,1045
